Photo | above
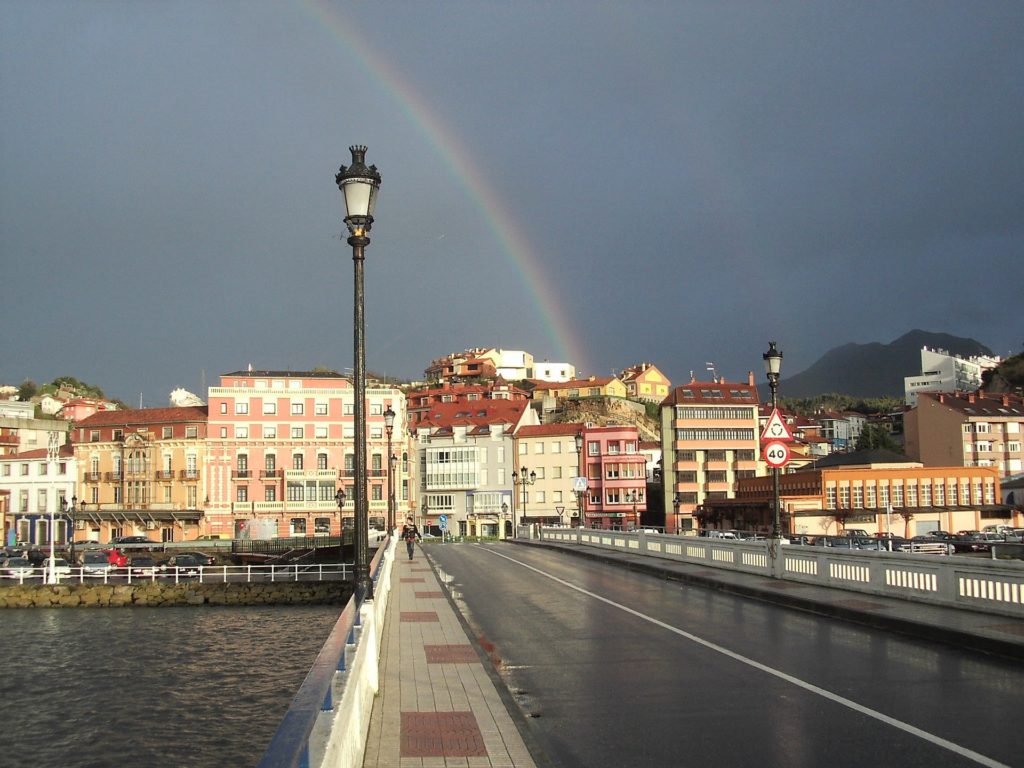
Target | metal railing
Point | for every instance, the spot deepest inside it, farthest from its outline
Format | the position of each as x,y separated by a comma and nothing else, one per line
988,586
208,574
329,717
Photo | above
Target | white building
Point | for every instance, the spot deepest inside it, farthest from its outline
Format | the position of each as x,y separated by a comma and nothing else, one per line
37,485
943,372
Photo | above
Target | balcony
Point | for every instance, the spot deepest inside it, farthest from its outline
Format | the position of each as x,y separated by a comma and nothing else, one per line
188,474
165,474
241,474
92,477
271,474
112,477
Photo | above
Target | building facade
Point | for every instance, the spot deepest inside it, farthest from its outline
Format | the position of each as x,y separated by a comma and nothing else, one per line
36,486
280,446
140,473
944,372
967,430
646,383
710,441
616,475
546,457
874,490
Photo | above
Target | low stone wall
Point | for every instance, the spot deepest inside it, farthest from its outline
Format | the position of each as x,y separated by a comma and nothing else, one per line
156,593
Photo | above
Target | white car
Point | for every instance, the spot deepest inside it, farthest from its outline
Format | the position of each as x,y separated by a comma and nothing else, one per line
17,568
61,569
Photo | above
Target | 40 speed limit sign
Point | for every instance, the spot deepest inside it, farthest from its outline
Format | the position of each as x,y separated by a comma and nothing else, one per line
776,454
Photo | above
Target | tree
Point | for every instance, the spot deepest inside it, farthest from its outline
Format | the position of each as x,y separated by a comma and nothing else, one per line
876,437
27,390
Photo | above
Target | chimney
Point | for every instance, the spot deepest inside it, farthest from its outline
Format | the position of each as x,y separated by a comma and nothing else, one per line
971,397
1006,401
750,378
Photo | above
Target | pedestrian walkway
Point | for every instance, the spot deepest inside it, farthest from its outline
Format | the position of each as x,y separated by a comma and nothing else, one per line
438,705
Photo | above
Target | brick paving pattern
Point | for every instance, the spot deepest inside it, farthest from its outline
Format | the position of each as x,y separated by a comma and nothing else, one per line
437,706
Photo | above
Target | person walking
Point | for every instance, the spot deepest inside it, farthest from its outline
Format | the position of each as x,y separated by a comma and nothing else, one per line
410,533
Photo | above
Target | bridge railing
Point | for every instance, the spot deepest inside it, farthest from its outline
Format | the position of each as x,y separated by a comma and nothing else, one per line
201,574
988,586
329,718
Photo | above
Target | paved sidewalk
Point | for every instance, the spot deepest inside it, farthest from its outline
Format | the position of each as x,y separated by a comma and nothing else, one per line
437,705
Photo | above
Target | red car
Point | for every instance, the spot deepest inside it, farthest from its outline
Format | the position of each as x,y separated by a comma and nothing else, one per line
116,557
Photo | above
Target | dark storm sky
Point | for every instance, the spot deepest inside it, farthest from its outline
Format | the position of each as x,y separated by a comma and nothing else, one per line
602,183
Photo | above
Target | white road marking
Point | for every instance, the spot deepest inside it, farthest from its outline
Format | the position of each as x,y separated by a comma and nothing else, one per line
810,687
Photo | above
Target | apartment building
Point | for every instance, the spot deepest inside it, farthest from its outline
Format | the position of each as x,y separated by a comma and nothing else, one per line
280,446
975,429
616,475
466,457
945,372
878,491
595,386
36,486
547,459
710,441
140,473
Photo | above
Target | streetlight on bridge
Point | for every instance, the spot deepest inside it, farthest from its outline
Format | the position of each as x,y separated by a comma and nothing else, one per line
772,367
521,479
359,184
389,424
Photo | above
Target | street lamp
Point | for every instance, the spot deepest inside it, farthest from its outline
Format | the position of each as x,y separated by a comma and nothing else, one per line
633,499
772,366
339,499
579,468
522,479
70,513
504,514
359,184
389,424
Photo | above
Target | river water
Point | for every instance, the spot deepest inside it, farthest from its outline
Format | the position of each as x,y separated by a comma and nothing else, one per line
155,687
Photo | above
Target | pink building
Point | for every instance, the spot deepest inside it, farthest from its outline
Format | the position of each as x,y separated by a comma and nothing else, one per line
616,475
280,445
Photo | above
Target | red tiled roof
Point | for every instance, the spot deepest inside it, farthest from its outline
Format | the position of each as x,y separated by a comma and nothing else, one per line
67,450
475,412
747,394
548,430
145,416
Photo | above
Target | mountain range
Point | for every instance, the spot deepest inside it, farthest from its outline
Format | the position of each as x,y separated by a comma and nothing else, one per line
874,369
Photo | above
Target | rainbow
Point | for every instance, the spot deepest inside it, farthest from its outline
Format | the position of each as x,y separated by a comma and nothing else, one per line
513,244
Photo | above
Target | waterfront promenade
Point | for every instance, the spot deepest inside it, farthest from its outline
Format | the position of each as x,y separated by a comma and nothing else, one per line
439,703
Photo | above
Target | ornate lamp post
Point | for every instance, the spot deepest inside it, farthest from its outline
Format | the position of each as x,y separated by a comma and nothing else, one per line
522,480
389,425
772,367
632,498
579,468
504,515
359,184
69,512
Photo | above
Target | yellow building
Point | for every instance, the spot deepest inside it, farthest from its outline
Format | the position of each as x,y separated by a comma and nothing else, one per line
645,382
608,386
140,473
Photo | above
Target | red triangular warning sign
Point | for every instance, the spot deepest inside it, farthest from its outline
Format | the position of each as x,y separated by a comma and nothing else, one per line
776,429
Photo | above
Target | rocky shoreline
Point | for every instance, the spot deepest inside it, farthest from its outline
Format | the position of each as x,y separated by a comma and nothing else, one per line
158,594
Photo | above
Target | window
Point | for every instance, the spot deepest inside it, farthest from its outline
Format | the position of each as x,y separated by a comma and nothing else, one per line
298,409
270,493
830,497
376,493
593,449
167,432
718,476
926,494
241,433
298,525
883,495
348,409
320,409
538,448
897,495
224,432
715,433
556,447
242,493
911,495
269,407
94,436
858,496
241,408
321,461
119,434
297,461
270,433
296,433
224,407
940,495
871,497
321,432
270,462
191,433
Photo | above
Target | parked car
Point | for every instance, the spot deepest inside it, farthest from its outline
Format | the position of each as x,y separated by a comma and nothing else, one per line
202,557
17,568
96,562
928,545
183,564
116,557
143,565
133,540
61,568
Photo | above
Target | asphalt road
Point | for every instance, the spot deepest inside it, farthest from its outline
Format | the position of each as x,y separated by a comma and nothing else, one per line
612,668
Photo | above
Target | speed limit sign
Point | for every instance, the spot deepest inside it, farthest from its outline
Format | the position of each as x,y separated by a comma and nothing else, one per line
776,454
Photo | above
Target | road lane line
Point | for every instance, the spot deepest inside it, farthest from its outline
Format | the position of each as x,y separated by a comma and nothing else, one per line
810,687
